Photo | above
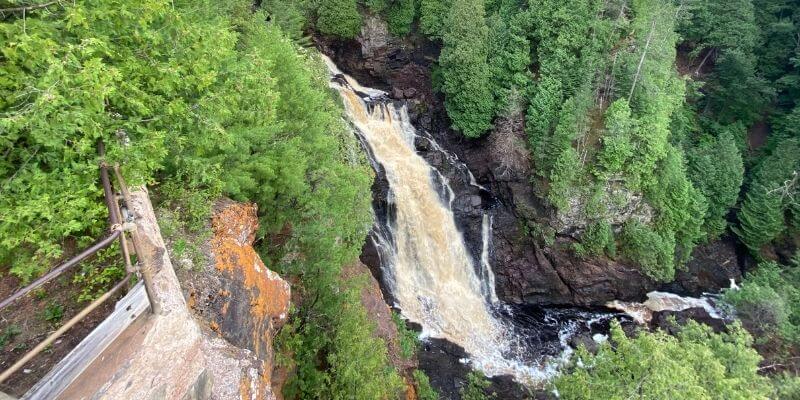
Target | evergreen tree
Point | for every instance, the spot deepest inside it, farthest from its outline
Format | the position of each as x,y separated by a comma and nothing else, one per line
465,71
717,170
339,18
433,16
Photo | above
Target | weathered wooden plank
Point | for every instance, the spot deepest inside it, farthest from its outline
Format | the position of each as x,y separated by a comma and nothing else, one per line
127,310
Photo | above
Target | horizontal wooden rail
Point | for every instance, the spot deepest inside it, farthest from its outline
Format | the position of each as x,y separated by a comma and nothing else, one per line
60,331
98,245
117,231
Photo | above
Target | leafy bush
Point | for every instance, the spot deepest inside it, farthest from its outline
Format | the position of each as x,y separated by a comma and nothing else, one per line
695,364
432,17
400,16
409,340
647,248
423,386
338,18
100,274
53,312
597,239
11,331
769,304
476,386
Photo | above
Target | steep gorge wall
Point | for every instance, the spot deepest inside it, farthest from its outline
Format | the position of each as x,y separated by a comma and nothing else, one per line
527,270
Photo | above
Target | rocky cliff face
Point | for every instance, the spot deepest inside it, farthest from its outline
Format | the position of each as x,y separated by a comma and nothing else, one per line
532,257
241,301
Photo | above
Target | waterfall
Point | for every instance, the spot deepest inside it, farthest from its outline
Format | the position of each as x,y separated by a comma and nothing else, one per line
427,267
487,276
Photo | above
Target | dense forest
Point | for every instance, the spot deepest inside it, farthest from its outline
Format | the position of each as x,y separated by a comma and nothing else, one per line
689,105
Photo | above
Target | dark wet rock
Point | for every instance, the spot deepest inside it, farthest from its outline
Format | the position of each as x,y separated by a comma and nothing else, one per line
671,321
712,266
527,270
445,365
586,340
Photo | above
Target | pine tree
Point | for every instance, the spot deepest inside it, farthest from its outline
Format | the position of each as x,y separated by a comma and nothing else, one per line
465,71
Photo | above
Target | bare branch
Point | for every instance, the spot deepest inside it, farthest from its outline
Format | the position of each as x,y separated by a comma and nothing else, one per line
28,8
641,60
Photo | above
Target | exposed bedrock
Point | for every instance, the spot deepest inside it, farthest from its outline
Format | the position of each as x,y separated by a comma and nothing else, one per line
526,271
241,303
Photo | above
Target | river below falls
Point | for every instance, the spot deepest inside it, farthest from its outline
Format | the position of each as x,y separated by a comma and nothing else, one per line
428,271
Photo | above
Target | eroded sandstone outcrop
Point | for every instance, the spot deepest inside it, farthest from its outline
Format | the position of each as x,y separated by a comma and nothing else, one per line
240,301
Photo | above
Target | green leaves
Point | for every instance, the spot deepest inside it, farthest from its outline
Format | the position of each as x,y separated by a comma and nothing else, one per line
717,170
465,71
338,18
768,302
762,215
695,364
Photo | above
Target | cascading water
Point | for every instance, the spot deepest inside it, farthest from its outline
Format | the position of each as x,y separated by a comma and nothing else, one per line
427,267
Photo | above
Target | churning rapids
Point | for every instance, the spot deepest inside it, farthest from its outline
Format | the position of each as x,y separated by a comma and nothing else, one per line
427,267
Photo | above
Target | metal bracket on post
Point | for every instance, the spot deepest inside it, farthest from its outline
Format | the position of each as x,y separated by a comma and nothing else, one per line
145,267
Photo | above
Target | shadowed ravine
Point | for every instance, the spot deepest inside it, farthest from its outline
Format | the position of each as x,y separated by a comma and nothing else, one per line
426,266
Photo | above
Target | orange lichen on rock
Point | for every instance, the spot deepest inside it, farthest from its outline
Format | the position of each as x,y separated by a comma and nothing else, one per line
234,226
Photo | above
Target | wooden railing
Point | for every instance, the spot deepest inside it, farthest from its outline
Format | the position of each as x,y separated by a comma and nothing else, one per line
120,226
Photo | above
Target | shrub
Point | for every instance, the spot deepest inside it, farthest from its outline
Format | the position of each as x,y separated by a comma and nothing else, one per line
476,387
409,340
400,16
597,239
647,248
768,304
695,364
423,386
338,18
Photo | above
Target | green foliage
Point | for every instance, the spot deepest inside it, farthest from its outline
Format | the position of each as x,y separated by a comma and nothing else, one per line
100,274
204,99
465,71
339,18
769,304
11,331
357,360
290,16
726,36
407,338
476,387
597,240
432,17
510,59
694,364
71,79
400,16
423,386
786,386
680,206
717,171
53,312
762,216
617,148
654,253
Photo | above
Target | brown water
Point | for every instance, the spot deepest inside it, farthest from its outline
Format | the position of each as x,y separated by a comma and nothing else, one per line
429,270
